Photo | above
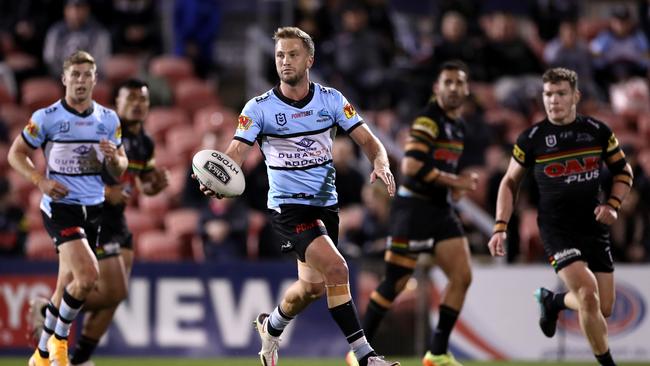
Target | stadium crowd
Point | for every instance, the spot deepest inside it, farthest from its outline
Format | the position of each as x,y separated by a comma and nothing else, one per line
381,54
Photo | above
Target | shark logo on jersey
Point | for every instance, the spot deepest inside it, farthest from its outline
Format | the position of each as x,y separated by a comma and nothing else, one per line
323,116
281,119
82,149
551,140
306,143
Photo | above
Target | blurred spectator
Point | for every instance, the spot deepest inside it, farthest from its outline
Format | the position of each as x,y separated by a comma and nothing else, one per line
77,31
135,28
455,44
358,60
4,132
620,51
371,232
222,226
548,15
196,27
13,223
570,51
506,53
25,23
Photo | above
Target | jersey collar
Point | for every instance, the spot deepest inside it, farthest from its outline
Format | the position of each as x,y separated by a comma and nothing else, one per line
295,103
85,113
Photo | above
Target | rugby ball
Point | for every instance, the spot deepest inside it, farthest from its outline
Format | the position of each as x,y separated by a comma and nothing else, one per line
218,172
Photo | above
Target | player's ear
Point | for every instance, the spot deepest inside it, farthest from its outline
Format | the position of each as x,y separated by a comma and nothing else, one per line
576,96
310,62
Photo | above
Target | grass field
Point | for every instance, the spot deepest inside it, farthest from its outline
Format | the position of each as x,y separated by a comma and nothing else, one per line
106,361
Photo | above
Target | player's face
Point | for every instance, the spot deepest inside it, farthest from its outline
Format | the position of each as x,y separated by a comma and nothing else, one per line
451,89
79,81
132,104
292,60
560,101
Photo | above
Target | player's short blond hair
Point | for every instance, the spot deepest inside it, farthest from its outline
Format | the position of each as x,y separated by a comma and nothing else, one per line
297,33
79,57
559,74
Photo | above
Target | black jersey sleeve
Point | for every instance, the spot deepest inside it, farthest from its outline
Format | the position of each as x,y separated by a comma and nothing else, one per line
149,162
424,129
613,155
522,152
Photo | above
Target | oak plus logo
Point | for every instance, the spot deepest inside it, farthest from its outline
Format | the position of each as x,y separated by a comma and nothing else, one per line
574,170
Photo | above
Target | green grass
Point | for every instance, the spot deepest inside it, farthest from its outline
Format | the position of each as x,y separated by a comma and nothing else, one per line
133,361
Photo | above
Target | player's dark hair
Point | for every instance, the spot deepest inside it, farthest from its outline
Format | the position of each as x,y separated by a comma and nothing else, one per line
129,84
559,74
297,33
452,65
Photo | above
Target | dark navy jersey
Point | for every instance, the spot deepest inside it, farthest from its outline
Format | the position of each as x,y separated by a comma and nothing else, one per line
139,149
444,137
566,162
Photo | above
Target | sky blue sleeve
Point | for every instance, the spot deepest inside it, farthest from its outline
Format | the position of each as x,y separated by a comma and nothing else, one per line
249,123
344,113
35,132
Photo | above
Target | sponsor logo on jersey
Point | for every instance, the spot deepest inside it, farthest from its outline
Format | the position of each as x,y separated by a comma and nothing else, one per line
349,111
426,125
118,132
244,122
582,136
576,170
50,110
323,116
82,149
31,129
309,225
280,119
262,98
551,140
302,114
71,231
612,143
519,154
306,142
217,171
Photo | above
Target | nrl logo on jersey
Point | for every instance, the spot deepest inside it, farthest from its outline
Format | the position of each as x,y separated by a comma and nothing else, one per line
280,119
551,140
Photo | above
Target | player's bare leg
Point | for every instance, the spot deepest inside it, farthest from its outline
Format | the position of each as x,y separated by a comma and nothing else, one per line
453,258
113,285
584,295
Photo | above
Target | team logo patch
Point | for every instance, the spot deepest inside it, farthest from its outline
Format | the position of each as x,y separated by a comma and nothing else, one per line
426,125
551,140
244,122
31,129
349,111
82,150
305,142
118,132
64,127
280,119
101,129
612,143
519,154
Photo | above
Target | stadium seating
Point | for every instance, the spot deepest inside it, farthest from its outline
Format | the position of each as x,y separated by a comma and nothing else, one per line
39,246
140,222
171,68
161,119
15,115
40,92
157,245
194,94
119,68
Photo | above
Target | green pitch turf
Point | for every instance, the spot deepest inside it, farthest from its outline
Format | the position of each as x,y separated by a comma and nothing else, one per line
114,361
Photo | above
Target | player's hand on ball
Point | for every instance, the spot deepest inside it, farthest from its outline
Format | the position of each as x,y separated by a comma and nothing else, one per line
207,191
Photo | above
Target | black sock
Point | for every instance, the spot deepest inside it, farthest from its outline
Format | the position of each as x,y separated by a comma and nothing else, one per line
83,350
346,317
557,303
441,334
374,315
605,359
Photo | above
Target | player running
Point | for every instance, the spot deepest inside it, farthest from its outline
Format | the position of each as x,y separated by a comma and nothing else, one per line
80,138
294,124
566,152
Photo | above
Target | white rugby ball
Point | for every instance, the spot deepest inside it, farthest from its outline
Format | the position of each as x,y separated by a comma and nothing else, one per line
218,172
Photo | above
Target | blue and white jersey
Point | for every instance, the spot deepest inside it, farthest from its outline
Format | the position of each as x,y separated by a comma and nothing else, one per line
70,142
296,140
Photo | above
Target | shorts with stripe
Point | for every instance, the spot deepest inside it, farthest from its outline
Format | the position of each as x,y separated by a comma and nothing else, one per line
73,222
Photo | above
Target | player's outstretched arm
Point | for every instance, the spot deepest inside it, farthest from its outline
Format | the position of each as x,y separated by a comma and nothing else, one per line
505,205
376,153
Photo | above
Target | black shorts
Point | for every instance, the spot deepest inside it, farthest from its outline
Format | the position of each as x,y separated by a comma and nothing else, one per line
416,225
564,245
299,225
114,236
73,222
